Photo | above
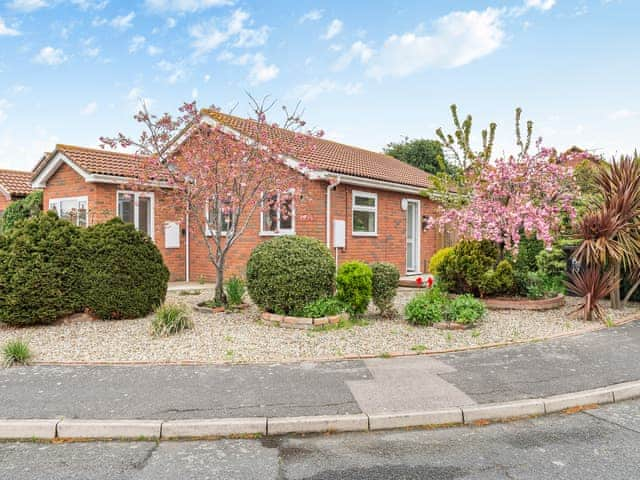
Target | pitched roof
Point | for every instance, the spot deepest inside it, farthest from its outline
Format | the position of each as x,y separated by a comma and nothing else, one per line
102,161
337,157
15,183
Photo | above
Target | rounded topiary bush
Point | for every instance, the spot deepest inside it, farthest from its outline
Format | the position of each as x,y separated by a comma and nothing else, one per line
40,271
124,275
462,270
286,273
385,285
438,258
354,285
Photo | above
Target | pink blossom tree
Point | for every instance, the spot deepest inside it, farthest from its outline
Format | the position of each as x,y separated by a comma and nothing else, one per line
529,194
218,176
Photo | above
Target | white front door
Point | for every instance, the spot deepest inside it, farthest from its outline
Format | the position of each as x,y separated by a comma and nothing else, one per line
413,236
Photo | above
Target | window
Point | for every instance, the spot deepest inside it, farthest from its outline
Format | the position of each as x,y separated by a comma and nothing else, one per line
223,214
278,214
73,209
137,208
365,214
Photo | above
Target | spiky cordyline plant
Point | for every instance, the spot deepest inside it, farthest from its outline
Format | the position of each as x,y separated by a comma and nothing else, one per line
611,233
592,284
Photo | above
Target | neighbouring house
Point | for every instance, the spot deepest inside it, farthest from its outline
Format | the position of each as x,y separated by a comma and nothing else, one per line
14,185
364,205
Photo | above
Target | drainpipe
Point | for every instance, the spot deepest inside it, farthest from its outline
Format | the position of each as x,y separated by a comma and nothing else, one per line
329,188
186,247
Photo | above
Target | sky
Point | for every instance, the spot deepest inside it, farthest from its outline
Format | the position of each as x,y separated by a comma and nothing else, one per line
365,72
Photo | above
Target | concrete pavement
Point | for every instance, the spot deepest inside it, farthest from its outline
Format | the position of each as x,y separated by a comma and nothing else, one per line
590,445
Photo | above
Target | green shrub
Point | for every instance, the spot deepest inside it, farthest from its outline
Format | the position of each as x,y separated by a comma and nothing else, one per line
124,275
323,307
465,309
500,281
427,308
286,273
539,285
15,352
234,288
40,271
170,319
27,207
385,286
528,250
461,271
354,286
437,258
552,263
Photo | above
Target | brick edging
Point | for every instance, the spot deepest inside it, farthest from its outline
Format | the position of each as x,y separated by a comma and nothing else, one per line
86,430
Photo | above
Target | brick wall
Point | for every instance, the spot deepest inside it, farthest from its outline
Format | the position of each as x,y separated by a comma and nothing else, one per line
4,202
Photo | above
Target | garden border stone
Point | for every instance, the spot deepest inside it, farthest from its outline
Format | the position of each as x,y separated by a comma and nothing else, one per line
287,321
524,303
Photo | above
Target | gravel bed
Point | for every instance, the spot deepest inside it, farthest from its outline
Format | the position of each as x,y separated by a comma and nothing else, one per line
241,337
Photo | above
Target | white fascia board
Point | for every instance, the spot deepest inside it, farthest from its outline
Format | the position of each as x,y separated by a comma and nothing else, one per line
5,193
371,183
52,166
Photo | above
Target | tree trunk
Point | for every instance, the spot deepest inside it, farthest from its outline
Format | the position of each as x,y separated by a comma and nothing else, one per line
630,293
616,304
220,295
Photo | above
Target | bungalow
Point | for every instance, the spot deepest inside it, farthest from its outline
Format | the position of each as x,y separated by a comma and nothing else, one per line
14,185
364,205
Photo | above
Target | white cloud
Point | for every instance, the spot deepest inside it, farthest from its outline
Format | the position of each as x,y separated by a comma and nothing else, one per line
458,38
159,6
171,22
21,151
136,43
50,56
175,72
18,89
311,15
4,106
153,50
543,5
90,50
310,91
358,51
7,31
623,114
206,78
334,28
194,93
27,5
260,71
90,108
208,35
90,4
135,98
123,22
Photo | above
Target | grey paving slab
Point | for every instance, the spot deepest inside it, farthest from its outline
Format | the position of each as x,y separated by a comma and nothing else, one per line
407,384
594,445
175,392
547,368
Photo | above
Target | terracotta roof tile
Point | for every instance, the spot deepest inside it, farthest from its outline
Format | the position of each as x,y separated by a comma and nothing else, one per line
16,183
102,162
337,157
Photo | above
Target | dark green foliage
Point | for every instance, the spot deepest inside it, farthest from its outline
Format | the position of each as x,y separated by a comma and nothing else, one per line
40,271
234,288
385,285
124,275
465,309
500,281
539,285
323,307
424,154
462,270
528,250
427,308
354,286
22,209
286,273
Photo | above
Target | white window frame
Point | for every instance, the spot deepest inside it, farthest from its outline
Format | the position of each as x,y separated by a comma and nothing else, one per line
207,218
360,208
136,210
287,231
57,201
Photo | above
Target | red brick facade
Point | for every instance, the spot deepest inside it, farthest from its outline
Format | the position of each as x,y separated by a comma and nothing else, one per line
4,202
388,245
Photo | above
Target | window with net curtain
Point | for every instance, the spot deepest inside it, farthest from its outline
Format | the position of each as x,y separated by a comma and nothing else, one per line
364,213
278,213
136,208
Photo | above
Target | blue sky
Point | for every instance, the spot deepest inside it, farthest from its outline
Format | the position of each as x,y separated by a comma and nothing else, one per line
367,72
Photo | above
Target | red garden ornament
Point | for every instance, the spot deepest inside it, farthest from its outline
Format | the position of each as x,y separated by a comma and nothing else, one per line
429,282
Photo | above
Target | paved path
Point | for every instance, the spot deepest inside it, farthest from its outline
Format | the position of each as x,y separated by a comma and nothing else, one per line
379,385
592,445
